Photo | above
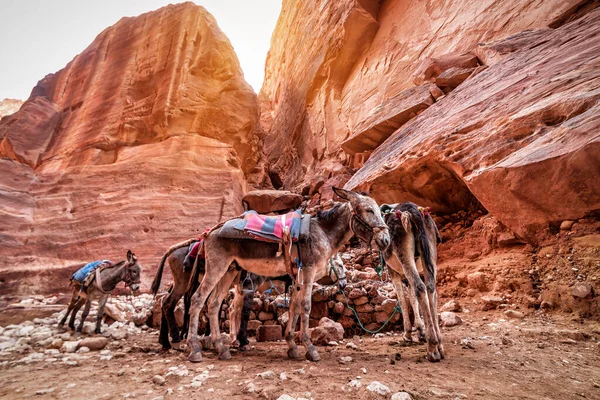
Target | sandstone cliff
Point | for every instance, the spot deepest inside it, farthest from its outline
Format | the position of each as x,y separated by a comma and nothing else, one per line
147,137
488,105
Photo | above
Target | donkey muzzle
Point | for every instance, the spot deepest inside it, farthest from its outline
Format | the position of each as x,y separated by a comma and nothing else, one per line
342,283
135,287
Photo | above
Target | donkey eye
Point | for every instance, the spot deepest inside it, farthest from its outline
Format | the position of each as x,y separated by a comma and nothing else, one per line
369,211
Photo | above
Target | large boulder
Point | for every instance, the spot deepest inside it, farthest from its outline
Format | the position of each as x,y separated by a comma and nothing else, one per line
265,201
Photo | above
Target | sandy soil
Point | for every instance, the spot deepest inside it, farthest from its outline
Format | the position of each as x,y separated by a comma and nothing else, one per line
488,357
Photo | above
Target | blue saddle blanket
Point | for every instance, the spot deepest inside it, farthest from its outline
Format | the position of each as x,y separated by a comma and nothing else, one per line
87,269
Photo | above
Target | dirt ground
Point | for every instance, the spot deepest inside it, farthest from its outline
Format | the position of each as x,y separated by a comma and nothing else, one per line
488,357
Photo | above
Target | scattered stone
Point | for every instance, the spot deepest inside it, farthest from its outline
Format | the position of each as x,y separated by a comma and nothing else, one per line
379,388
355,384
566,225
94,343
327,331
118,334
448,319
351,345
45,391
402,396
249,388
267,375
159,380
69,347
452,305
477,280
333,343
582,290
467,344
83,350
491,302
283,376
514,314
345,360
269,333
286,397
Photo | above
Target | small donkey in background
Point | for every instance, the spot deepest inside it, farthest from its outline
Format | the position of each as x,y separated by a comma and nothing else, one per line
104,282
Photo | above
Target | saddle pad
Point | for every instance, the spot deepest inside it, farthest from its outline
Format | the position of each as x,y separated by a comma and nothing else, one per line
270,228
228,230
87,269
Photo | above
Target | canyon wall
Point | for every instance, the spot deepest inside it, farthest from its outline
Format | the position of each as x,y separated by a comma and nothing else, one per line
455,105
146,138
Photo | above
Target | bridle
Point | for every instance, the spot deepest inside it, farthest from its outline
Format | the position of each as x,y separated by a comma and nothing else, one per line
332,269
373,229
126,276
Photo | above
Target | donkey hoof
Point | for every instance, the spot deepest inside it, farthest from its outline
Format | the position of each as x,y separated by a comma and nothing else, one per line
195,357
293,354
407,337
433,357
245,347
313,355
225,355
441,351
422,339
235,343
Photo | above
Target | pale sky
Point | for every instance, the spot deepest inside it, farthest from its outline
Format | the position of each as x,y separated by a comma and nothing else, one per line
38,37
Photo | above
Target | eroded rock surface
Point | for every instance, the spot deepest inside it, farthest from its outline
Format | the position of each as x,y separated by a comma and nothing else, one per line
147,137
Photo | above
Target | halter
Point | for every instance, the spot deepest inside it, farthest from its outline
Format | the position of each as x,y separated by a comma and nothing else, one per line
332,269
377,265
126,276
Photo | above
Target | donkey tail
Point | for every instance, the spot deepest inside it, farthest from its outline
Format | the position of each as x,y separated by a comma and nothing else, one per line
196,271
417,220
161,266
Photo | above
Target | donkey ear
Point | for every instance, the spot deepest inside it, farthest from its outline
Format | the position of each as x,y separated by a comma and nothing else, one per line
343,193
130,256
405,218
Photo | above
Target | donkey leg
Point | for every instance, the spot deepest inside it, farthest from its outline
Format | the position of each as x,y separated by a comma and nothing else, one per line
209,282
419,324
305,305
430,283
78,305
417,285
168,310
84,314
290,330
214,307
101,304
69,308
402,297
242,335
235,315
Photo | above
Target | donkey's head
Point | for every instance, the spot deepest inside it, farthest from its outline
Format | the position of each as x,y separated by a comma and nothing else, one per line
132,272
337,271
367,222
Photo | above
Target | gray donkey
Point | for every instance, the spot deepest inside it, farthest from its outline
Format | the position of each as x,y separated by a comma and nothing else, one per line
128,271
329,230
414,241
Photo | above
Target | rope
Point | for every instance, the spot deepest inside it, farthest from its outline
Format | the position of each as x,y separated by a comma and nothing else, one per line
396,310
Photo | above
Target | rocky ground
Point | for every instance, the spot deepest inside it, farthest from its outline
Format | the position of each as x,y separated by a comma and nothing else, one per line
490,355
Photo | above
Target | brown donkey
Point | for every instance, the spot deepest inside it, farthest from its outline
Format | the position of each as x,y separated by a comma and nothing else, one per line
127,271
328,232
414,241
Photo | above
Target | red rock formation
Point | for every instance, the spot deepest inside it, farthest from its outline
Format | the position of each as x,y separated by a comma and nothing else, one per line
342,72
144,139
330,107
522,137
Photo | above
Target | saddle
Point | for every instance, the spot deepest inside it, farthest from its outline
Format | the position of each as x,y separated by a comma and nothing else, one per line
86,275
293,227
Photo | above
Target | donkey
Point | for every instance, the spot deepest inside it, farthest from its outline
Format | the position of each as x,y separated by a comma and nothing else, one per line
328,232
414,240
127,271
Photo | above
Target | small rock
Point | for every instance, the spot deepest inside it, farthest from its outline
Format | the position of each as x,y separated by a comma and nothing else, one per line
283,376
83,350
286,397
345,360
378,388
333,343
118,334
491,302
355,384
566,225
466,344
159,380
581,290
514,314
267,375
351,345
249,388
402,396
45,391
452,305
69,347
448,318
94,343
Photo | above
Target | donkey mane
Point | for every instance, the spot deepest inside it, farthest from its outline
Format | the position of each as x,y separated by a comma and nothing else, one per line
329,215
